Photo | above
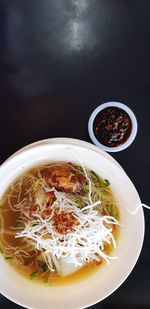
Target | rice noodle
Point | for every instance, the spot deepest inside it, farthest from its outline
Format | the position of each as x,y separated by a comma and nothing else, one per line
86,239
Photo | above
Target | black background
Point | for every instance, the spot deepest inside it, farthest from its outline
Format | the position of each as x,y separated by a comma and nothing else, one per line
59,59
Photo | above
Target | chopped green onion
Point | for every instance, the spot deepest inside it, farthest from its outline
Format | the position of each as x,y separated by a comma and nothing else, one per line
8,257
1,251
94,175
107,183
79,168
80,203
110,208
44,266
117,216
45,280
86,188
20,224
104,197
34,274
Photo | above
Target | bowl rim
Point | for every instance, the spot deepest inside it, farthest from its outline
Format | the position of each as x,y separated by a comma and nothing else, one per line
133,131
61,140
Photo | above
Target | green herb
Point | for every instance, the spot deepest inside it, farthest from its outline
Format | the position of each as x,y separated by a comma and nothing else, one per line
34,274
8,257
94,175
104,197
1,251
86,188
117,216
110,209
79,168
44,266
20,224
107,183
80,203
101,184
45,280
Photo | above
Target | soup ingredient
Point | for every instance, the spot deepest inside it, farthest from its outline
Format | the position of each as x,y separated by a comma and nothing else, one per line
112,126
64,178
62,217
79,234
34,275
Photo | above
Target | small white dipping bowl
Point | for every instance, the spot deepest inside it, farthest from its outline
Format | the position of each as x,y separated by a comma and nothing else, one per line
133,130
107,279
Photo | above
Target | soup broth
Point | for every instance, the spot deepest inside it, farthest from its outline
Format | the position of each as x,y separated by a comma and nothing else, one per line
59,223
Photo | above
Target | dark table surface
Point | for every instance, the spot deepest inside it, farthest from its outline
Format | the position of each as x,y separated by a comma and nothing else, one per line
59,59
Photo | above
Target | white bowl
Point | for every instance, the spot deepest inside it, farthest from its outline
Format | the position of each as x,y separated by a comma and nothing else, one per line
107,278
133,130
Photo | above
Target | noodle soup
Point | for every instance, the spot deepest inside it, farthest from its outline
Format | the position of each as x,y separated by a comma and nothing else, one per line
59,222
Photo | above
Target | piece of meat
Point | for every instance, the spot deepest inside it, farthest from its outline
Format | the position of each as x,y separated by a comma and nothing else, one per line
64,177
